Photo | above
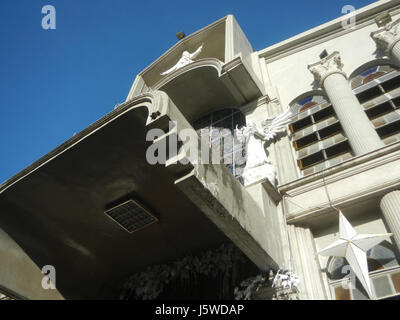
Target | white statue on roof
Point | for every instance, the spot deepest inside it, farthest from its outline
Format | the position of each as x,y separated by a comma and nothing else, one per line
187,58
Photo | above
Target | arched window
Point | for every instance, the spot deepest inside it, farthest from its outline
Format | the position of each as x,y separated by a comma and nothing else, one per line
218,128
378,90
317,135
384,271
369,74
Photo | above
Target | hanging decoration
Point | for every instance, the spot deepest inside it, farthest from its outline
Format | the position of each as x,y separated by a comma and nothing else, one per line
354,248
223,262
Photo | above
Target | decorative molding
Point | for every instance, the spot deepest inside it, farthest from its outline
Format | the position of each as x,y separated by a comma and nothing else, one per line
368,193
253,105
207,62
347,174
379,159
327,66
377,155
324,33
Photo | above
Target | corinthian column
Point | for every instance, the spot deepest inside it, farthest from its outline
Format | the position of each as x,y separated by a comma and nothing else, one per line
390,206
388,40
356,125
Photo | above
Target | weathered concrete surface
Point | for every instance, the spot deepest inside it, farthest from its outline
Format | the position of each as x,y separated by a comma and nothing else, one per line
19,274
231,207
54,210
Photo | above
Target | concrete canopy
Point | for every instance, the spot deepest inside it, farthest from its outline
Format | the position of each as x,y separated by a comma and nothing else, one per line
223,73
54,209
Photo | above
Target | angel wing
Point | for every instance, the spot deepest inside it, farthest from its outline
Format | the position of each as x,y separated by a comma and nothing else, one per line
272,126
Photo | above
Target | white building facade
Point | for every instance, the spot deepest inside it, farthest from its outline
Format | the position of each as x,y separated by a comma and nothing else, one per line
341,150
336,147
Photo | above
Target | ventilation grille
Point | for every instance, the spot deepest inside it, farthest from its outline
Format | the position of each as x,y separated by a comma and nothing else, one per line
131,216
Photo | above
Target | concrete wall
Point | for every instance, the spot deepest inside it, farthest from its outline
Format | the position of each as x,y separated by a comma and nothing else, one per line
19,274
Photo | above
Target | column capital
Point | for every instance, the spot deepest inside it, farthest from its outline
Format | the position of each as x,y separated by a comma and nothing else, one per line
387,37
326,66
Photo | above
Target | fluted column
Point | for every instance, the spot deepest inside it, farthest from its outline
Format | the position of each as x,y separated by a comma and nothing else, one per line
306,264
388,40
356,125
390,206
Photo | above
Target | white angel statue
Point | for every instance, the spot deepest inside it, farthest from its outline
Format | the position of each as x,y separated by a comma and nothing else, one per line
186,59
258,166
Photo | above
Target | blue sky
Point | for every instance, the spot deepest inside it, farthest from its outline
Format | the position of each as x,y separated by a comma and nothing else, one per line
57,82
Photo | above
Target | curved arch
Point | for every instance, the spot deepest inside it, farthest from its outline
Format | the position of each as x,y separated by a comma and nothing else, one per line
207,113
307,94
370,64
370,71
297,102
201,63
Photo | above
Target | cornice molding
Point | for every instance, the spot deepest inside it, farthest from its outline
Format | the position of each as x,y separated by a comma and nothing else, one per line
344,201
315,180
326,32
347,174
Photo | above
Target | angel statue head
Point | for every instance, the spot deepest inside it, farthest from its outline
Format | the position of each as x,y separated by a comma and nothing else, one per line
243,134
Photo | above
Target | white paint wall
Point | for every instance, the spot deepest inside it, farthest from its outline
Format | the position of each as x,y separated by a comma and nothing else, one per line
291,76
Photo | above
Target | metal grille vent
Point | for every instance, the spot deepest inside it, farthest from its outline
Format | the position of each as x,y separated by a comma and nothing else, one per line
131,216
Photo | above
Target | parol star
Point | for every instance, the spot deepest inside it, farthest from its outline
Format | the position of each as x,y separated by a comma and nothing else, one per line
354,248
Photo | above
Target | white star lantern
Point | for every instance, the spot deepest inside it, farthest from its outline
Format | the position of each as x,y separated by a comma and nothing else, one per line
354,248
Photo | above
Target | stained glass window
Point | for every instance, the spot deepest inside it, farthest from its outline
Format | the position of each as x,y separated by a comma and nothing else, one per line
370,74
309,102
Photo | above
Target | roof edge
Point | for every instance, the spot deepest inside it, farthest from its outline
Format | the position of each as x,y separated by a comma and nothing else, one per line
327,29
